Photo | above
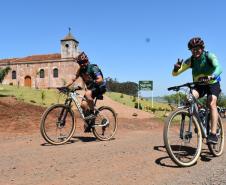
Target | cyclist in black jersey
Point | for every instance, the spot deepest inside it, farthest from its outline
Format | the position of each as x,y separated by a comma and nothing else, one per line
94,80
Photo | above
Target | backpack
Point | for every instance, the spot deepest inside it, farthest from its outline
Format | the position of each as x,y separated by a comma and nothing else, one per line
95,65
207,58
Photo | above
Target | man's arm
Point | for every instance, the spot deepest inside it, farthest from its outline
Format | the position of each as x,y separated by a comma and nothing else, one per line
99,80
98,75
216,65
73,79
184,66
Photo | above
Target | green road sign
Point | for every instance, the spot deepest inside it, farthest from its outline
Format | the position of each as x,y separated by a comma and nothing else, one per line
146,85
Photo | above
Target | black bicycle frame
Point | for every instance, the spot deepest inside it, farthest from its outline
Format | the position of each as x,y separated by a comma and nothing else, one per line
193,111
64,112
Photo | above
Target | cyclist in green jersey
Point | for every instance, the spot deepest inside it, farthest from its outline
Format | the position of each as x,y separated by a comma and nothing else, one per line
205,67
95,84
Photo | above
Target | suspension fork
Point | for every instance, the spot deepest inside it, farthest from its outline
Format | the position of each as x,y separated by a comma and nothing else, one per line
182,126
64,112
189,126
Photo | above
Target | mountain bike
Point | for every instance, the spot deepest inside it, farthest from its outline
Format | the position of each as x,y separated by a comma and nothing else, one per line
221,111
187,128
58,121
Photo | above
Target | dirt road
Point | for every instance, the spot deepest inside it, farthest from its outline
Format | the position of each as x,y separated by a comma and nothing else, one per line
135,156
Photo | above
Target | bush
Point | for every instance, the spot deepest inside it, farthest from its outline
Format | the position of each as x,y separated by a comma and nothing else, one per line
136,106
43,96
161,109
153,110
121,96
134,99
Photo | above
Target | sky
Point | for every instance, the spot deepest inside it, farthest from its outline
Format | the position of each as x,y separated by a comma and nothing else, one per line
131,40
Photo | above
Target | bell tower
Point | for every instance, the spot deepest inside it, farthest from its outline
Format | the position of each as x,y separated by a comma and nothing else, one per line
69,46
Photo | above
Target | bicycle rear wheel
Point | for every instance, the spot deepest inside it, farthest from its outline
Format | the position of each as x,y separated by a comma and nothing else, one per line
105,124
57,124
218,148
183,142
222,114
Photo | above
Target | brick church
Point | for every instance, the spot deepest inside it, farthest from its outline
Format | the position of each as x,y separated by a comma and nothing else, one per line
44,71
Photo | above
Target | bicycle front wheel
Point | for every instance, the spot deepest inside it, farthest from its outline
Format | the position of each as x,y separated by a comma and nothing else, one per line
105,124
218,148
57,124
182,138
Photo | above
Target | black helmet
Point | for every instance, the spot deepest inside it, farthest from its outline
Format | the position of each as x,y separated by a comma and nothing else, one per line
82,57
196,41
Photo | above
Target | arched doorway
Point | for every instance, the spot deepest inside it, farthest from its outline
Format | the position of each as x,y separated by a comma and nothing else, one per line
27,81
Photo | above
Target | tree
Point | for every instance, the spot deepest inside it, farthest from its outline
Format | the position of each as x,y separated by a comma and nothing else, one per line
129,88
221,100
177,98
3,73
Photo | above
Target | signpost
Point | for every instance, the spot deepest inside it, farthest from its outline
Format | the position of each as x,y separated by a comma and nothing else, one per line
145,85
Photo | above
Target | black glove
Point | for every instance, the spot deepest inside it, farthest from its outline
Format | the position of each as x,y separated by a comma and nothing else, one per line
63,89
205,79
177,66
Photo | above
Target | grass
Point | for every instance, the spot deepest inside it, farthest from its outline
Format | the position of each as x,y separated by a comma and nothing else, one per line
47,97
43,97
129,101
159,109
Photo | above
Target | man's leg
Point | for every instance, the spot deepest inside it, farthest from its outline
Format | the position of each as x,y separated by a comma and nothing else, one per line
212,101
88,107
89,98
84,106
195,93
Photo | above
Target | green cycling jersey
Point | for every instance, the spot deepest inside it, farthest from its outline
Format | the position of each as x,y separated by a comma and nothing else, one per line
202,67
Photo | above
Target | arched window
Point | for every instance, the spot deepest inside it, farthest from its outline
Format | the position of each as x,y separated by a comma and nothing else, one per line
13,74
55,73
42,73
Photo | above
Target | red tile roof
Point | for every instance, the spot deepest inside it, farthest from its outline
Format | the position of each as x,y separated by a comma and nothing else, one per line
55,56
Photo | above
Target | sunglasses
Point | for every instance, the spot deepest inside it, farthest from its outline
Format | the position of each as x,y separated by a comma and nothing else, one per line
196,48
81,62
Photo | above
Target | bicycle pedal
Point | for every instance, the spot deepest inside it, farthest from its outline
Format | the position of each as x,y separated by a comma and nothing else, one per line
90,117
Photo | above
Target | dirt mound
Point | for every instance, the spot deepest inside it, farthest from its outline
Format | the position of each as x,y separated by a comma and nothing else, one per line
19,117
23,118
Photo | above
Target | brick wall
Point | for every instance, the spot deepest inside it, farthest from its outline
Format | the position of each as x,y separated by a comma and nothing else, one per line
66,71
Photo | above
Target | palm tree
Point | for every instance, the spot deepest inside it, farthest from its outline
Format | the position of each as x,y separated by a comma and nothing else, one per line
3,73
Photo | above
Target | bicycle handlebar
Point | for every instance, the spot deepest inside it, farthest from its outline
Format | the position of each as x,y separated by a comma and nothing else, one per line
189,85
66,90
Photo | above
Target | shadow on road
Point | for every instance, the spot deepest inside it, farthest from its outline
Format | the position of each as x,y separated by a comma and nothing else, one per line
206,156
167,162
69,142
85,138
73,140
164,161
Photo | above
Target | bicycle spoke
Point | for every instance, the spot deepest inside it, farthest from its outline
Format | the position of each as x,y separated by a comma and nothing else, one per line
182,142
105,124
57,125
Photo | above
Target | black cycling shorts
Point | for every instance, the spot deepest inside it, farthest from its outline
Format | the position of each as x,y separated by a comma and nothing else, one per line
210,89
98,90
